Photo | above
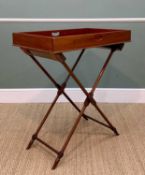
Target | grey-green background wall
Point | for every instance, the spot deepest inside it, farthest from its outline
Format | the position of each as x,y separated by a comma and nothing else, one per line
126,69
72,8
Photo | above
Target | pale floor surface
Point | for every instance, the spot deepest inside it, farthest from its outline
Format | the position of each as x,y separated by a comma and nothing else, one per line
93,149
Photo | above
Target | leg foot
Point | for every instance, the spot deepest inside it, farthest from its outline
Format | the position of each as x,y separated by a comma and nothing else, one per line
115,131
55,163
31,142
60,155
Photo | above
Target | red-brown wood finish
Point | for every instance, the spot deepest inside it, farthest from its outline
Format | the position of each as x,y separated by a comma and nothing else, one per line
69,39
42,44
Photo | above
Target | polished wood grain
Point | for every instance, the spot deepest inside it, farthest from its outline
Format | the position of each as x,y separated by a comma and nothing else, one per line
70,39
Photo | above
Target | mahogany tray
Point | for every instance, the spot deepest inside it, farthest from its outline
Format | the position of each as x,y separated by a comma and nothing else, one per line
57,41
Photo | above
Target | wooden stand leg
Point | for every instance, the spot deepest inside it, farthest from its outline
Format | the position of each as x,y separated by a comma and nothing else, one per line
90,95
53,80
42,122
86,103
106,119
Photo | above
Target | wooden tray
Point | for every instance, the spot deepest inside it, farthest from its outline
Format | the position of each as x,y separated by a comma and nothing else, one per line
70,39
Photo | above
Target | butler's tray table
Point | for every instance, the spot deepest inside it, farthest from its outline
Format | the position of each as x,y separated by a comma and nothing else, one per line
51,45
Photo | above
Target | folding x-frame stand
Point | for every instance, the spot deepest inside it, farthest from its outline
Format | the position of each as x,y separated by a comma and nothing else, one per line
89,97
